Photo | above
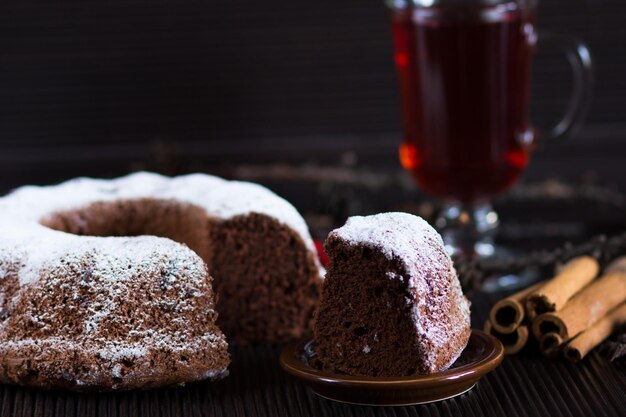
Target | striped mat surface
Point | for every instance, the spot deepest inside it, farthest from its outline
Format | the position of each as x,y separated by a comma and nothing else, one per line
525,385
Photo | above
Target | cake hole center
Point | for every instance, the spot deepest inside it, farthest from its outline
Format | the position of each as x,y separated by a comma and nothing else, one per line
136,217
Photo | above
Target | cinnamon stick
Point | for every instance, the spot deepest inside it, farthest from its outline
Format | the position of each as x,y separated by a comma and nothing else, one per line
550,344
552,296
507,314
593,336
585,308
512,342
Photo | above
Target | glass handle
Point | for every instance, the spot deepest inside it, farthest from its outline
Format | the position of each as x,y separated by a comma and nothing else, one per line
579,58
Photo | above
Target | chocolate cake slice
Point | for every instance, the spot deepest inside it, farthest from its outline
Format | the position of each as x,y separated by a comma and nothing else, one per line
391,304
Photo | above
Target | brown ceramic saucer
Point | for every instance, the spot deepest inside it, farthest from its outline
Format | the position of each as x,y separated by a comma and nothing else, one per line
482,355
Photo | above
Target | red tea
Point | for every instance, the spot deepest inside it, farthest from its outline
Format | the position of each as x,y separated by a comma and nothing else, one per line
465,81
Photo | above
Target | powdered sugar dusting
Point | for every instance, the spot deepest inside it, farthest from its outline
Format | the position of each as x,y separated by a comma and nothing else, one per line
114,312
115,354
431,279
37,246
397,235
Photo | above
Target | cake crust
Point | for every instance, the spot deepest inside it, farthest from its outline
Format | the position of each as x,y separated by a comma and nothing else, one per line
148,321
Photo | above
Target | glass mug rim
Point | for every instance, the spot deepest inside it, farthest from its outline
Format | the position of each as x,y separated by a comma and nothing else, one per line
458,4
454,10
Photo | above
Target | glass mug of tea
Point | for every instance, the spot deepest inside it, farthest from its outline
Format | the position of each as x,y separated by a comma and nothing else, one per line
464,68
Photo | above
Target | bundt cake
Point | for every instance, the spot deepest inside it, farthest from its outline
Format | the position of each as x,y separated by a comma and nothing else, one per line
391,301
88,301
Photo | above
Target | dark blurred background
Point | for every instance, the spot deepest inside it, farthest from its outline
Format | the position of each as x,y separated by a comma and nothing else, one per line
261,90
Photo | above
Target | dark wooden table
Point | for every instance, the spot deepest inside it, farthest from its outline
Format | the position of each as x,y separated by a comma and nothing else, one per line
525,385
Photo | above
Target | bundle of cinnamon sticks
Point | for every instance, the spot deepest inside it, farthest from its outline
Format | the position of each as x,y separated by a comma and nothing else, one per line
569,314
